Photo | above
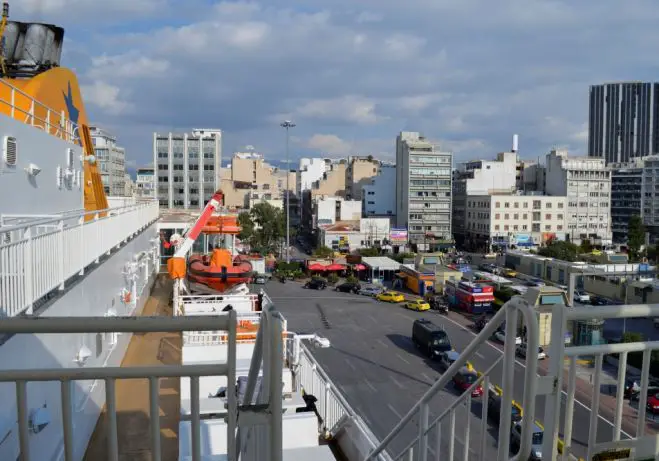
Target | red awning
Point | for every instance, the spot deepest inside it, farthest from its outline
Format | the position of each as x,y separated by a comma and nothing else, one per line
317,267
336,267
359,267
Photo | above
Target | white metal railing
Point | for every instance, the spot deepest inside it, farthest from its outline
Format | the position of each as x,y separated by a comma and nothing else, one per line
332,407
25,108
67,376
419,447
41,255
217,337
638,444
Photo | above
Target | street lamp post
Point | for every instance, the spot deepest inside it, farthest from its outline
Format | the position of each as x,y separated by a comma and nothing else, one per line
287,124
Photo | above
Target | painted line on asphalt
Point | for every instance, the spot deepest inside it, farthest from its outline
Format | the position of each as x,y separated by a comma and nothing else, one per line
478,354
382,343
394,411
368,383
432,380
397,383
349,363
587,408
403,359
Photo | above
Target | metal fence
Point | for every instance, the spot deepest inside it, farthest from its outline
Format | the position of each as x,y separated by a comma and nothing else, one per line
39,256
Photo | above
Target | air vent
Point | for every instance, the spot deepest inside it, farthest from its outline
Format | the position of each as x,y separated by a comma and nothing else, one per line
69,158
9,150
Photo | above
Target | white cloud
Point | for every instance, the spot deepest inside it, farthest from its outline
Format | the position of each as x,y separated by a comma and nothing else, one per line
106,97
470,73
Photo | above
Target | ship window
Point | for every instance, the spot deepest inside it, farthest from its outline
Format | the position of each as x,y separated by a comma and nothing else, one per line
548,300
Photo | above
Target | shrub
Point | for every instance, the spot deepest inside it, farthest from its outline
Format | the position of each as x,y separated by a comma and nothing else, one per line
332,278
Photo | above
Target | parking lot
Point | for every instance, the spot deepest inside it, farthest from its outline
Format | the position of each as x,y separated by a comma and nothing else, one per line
382,375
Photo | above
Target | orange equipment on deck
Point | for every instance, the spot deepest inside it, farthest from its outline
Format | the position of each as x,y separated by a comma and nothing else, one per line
219,271
222,225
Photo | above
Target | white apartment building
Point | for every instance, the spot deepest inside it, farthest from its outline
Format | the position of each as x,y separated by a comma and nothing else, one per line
111,160
586,182
187,167
379,197
352,235
329,210
515,219
145,184
481,177
423,190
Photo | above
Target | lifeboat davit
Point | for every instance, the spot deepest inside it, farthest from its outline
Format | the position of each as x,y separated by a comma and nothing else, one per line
219,271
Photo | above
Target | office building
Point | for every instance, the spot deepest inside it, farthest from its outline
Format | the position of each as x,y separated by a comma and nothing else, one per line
514,220
586,182
379,197
187,167
111,160
626,196
423,190
145,183
623,121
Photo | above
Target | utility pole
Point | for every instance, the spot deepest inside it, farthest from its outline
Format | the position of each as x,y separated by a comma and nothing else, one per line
287,124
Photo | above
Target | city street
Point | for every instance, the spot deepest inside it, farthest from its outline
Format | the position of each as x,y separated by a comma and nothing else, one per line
382,375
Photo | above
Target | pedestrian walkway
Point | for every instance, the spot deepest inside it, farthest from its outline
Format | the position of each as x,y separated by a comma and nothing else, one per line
133,420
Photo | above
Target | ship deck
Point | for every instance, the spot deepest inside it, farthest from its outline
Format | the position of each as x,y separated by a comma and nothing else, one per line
133,419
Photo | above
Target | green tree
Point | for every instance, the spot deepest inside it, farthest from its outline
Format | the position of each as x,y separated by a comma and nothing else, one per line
369,252
246,226
652,253
564,251
586,246
635,235
323,252
632,337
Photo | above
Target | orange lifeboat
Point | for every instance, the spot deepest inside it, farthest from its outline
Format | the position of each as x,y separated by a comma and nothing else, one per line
219,271
227,225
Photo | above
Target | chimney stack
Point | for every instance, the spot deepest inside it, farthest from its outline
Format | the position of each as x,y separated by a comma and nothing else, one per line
515,142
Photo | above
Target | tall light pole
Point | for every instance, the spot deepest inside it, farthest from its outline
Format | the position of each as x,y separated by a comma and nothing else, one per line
287,124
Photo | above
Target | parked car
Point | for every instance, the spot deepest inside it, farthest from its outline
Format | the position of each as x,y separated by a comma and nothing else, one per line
653,403
370,291
494,409
348,287
536,440
316,284
500,335
581,296
260,279
599,301
391,297
448,358
521,350
417,305
464,379
509,272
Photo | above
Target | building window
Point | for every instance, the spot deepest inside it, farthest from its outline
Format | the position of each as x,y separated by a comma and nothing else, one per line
497,216
507,205
516,216
496,227
559,217
548,205
516,205
560,205
548,216
526,204
498,204
506,227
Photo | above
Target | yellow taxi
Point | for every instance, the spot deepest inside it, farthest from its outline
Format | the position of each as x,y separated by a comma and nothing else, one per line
391,297
417,305
509,273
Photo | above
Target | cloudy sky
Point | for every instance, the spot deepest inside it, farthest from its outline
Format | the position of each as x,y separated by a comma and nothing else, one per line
351,73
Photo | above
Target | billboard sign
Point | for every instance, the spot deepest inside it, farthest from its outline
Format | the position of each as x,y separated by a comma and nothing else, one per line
398,235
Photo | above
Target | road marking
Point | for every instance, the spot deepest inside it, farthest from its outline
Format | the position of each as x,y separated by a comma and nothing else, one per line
428,377
587,408
349,363
368,383
403,359
382,343
397,383
478,354
394,411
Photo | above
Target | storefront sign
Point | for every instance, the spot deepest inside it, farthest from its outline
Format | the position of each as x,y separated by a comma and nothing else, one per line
398,235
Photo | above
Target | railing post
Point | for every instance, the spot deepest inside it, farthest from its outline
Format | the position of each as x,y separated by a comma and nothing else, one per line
595,407
325,403
507,381
99,236
232,404
60,243
556,364
83,258
423,432
28,273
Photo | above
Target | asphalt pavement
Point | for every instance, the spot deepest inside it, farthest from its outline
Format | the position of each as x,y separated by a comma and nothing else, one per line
382,375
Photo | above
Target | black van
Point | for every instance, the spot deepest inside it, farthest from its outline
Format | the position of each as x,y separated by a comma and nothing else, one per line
430,338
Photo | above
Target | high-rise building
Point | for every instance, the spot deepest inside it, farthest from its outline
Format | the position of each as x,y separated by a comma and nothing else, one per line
423,190
623,121
111,160
586,182
187,167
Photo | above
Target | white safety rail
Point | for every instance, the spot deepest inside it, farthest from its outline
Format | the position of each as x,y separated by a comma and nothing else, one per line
68,376
39,256
331,405
218,337
23,107
640,445
194,304
419,447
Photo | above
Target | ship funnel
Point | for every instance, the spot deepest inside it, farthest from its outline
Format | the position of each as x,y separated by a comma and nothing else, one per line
31,48
515,142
